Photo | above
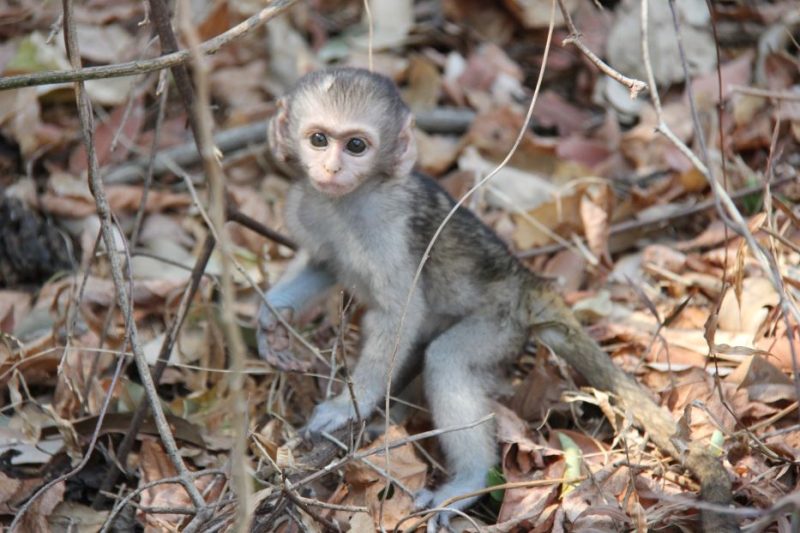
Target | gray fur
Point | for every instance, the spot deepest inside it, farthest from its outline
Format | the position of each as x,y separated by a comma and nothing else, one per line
470,308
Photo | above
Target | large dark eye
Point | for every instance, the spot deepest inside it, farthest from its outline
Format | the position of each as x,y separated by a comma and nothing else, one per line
319,140
356,145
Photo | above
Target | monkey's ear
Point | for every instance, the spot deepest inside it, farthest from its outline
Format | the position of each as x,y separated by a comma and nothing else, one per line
278,131
407,147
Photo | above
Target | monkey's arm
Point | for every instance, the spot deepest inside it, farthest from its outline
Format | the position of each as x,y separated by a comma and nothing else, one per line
555,325
383,351
302,283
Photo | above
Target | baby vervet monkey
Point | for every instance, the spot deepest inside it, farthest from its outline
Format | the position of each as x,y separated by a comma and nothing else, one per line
362,218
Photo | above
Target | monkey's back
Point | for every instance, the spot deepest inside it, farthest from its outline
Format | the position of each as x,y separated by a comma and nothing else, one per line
469,267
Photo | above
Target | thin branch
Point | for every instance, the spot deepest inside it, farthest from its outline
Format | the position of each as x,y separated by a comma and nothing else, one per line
252,224
162,90
766,93
120,505
335,465
635,86
123,298
131,68
202,128
167,345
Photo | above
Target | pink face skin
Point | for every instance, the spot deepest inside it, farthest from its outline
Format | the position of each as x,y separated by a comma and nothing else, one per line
337,159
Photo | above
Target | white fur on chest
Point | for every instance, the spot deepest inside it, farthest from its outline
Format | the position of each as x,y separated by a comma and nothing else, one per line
363,238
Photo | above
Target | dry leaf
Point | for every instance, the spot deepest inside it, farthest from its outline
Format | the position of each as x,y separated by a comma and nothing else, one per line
364,486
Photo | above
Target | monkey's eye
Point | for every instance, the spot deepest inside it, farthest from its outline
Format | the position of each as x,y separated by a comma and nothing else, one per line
356,145
318,140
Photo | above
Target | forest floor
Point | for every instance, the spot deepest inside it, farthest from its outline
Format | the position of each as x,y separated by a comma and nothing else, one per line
606,193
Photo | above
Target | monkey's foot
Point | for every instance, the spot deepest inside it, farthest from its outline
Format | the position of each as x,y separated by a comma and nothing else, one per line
427,498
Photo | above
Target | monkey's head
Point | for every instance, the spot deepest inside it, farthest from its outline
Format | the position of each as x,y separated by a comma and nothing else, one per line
342,126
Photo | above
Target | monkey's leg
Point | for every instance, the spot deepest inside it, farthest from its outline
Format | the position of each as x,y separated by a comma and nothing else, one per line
459,369
555,325
302,283
369,377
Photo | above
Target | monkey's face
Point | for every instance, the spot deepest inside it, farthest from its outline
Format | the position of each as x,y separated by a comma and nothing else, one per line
338,155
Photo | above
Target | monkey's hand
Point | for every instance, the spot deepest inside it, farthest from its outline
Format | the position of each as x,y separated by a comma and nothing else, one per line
456,487
274,341
334,414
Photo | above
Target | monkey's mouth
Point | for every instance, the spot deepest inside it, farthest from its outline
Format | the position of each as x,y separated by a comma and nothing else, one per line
332,189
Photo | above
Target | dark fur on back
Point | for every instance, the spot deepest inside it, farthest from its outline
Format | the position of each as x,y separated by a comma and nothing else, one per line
465,237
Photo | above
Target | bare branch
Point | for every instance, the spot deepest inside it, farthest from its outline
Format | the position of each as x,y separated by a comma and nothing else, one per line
132,68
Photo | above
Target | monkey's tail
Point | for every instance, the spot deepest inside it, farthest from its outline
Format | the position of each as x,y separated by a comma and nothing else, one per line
554,324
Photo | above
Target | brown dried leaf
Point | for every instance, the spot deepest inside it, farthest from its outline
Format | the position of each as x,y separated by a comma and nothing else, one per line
20,118
596,209
424,83
489,18
535,14
589,153
155,465
522,461
697,386
76,204
569,267
493,133
554,111
561,215
748,313
763,381
437,153
664,257
36,517
364,486
105,133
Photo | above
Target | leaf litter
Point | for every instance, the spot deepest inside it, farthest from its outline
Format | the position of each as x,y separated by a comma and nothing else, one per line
595,197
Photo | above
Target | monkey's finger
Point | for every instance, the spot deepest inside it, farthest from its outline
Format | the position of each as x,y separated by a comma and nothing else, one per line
282,360
266,318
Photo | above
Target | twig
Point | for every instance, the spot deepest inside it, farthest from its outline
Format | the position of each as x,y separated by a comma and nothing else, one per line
635,86
333,506
97,189
714,480
237,216
162,90
130,68
766,93
167,345
335,465
386,474
330,526
112,516
202,128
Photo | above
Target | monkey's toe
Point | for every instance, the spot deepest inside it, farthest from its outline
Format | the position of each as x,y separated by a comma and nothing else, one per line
423,499
436,499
